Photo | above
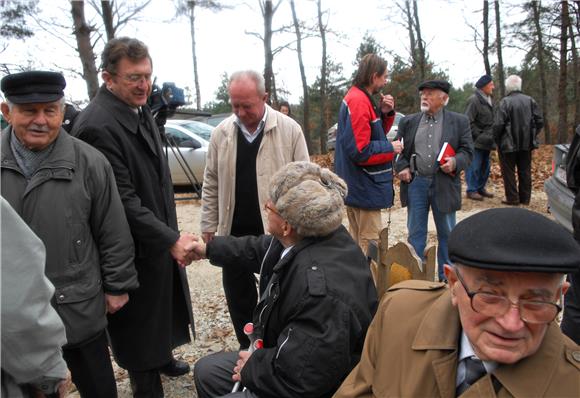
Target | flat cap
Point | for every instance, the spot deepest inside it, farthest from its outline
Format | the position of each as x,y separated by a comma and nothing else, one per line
513,239
33,87
436,84
483,81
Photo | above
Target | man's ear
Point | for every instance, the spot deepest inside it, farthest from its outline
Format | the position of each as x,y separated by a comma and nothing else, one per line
5,111
452,280
107,77
266,95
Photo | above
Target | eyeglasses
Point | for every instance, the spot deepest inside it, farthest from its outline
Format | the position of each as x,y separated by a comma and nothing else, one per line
267,207
135,77
494,305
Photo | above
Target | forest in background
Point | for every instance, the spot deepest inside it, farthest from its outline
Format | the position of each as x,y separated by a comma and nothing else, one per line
547,32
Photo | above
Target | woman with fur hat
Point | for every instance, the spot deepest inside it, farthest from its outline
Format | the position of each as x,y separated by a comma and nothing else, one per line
317,296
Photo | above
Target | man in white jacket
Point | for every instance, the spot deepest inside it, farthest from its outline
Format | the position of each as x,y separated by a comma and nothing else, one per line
245,151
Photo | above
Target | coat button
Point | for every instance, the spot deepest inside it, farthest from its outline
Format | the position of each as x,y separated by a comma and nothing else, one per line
576,356
314,268
61,296
78,242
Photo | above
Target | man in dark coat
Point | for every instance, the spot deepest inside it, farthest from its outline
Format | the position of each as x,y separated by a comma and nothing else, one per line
429,182
480,114
317,296
516,126
119,123
65,191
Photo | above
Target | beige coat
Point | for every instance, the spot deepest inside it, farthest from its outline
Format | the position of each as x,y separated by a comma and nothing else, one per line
283,142
411,350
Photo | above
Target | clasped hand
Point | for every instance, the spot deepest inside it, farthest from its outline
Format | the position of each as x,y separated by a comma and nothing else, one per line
188,248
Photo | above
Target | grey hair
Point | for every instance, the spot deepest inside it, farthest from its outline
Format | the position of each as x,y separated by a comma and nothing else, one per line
62,103
513,83
256,77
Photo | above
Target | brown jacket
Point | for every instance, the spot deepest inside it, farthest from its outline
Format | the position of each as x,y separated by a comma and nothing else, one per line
411,350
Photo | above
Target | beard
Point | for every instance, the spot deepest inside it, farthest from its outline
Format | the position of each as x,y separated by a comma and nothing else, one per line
424,107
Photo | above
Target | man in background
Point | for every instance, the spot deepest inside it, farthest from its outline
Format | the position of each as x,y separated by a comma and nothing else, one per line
518,121
479,111
245,150
363,155
427,182
119,123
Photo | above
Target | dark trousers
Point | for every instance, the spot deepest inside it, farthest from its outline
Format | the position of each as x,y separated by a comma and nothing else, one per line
91,369
213,376
242,296
146,384
520,162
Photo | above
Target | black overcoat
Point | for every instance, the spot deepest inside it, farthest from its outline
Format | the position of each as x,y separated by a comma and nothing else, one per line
156,318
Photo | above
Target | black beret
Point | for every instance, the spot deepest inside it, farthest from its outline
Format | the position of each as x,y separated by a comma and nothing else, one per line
33,87
513,239
483,81
436,84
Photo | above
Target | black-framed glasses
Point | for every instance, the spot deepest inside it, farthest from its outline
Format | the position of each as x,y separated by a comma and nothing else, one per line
494,305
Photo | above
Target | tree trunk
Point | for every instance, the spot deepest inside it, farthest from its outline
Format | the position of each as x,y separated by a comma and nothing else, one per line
542,70
306,97
486,37
191,6
563,82
420,43
575,76
410,29
82,33
268,14
498,43
324,112
107,9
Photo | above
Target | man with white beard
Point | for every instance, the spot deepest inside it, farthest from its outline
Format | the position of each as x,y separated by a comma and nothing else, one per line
429,180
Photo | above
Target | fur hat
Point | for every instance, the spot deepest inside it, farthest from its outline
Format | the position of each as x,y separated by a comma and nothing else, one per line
309,197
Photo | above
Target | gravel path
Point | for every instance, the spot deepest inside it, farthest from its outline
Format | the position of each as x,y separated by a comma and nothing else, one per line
212,322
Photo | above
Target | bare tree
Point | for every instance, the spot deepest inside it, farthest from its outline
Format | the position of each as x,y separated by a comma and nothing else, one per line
575,75
324,112
306,97
486,37
563,82
188,8
498,48
268,11
82,32
536,7
107,14
421,57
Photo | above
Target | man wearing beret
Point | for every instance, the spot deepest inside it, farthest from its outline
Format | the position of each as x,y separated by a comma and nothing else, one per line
480,113
516,126
119,123
65,191
438,146
491,332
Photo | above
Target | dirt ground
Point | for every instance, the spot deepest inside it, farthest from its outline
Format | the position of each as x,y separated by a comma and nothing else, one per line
213,329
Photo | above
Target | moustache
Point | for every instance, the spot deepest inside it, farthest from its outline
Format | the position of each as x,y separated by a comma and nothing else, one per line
39,128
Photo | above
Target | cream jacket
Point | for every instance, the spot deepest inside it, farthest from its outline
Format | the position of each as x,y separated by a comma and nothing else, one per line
283,142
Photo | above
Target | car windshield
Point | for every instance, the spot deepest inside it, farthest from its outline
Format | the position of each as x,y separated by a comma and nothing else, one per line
199,128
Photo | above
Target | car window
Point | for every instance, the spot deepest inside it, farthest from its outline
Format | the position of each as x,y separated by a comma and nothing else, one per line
177,136
201,129
398,118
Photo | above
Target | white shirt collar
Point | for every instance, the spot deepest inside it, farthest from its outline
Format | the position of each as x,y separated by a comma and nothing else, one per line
465,351
251,136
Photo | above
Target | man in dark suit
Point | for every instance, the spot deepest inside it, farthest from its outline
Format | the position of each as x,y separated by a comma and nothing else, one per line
119,123
425,181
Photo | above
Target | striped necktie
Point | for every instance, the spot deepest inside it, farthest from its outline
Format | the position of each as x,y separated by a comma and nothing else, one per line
474,370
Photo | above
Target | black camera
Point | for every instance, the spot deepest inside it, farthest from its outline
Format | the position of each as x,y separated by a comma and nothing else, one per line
164,100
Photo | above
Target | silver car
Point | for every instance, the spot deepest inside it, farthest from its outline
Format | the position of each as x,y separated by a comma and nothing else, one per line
189,140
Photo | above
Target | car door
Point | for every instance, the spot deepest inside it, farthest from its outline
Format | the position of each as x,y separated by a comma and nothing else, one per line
192,151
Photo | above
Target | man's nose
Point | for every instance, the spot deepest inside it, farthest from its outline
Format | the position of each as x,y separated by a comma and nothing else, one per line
40,118
512,320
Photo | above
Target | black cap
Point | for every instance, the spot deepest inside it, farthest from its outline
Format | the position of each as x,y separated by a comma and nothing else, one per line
33,87
436,84
483,81
513,239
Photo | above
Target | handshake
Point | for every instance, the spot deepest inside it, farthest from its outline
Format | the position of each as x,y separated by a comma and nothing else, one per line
188,248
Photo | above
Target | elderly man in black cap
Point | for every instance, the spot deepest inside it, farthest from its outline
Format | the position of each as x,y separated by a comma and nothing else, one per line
492,332
437,147
65,191
480,113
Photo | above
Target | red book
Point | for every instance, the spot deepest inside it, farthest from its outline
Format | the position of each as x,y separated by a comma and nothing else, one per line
446,151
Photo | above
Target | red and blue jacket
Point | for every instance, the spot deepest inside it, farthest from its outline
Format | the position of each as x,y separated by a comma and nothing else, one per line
364,156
